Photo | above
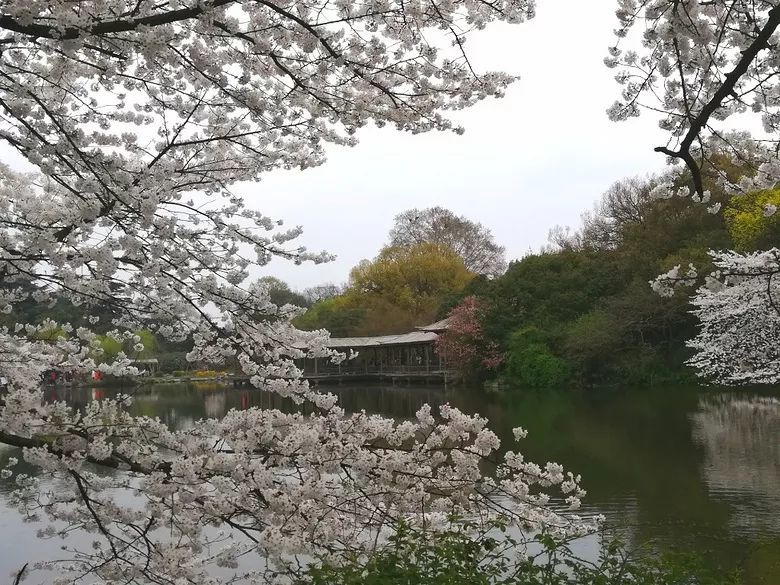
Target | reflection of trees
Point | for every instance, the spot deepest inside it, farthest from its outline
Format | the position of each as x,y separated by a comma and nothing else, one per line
215,404
741,441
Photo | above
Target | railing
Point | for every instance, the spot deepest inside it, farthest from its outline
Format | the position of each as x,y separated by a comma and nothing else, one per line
357,370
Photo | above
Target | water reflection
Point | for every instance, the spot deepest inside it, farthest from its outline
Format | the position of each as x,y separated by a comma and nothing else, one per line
685,468
740,437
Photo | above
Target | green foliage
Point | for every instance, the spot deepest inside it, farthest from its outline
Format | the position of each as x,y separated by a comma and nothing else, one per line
529,361
61,310
459,557
747,224
50,334
477,286
111,348
548,289
588,292
149,342
172,361
281,294
592,336
412,558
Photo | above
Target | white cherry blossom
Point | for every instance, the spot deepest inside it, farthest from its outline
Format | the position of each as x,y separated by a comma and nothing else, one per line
137,118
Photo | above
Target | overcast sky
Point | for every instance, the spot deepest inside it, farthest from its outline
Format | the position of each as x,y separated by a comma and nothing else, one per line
539,157
536,158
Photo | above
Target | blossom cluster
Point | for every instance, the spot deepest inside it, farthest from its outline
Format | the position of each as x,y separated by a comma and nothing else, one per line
278,486
464,343
739,311
700,64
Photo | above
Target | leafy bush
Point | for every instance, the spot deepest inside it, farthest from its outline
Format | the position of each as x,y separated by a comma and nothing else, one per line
529,361
173,361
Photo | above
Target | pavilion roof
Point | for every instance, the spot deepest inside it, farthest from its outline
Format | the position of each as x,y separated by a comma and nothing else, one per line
442,325
383,340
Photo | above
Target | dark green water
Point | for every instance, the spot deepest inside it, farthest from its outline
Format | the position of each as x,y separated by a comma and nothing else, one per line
684,468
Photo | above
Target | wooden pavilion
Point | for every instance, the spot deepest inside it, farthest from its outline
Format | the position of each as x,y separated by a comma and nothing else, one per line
406,355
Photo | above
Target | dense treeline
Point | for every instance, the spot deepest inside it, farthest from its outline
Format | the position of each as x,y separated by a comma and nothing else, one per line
579,311
582,311
62,312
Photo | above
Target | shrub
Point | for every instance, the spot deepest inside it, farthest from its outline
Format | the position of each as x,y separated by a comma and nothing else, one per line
173,361
530,362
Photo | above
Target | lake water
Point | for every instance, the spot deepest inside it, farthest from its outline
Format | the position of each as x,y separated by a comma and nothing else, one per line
688,469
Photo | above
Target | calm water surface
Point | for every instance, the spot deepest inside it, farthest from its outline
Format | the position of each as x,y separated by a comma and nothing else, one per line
684,468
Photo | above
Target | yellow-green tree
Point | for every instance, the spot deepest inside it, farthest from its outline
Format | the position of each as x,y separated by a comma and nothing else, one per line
149,341
751,220
341,315
404,285
401,288
112,347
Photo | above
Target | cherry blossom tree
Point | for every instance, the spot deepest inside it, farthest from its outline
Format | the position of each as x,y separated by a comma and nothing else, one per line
740,317
700,64
708,68
137,117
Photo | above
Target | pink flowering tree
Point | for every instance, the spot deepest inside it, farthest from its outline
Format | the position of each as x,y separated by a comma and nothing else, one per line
464,345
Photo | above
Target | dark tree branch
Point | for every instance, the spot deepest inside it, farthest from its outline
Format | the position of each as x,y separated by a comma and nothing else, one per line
114,462
20,574
111,26
700,121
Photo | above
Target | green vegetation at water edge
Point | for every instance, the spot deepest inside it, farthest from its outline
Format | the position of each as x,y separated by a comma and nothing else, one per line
455,558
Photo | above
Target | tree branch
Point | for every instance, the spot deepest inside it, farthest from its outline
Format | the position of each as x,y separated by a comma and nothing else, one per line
699,122
111,26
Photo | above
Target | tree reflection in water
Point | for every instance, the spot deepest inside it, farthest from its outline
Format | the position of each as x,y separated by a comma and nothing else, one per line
740,438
